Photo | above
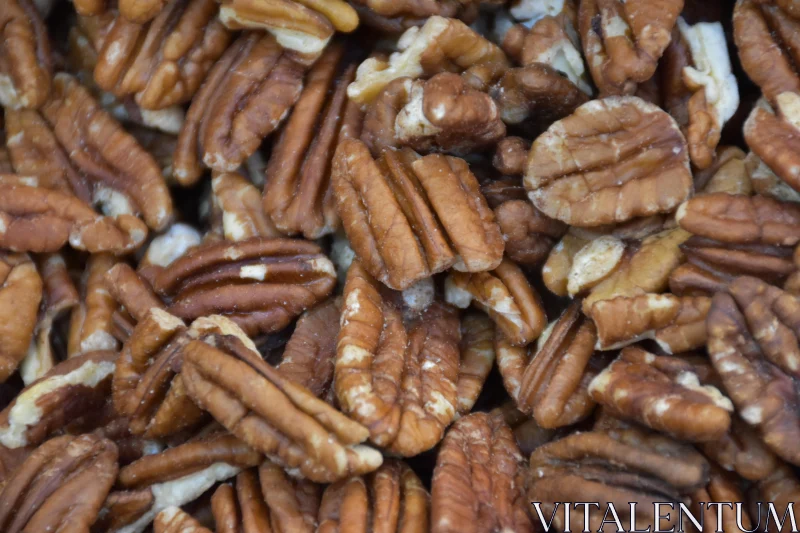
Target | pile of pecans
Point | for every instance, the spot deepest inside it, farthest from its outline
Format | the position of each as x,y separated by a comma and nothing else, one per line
396,265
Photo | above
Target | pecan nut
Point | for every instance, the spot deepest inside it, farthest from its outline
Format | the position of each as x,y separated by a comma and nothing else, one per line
173,520
91,322
742,451
25,62
772,135
20,294
237,213
528,233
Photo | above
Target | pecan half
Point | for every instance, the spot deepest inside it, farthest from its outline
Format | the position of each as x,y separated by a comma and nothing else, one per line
91,321
173,520
237,213
60,486
478,482
528,233
297,194
390,499
766,182
772,135
612,160
408,217
20,294
753,344
244,98
25,62
742,451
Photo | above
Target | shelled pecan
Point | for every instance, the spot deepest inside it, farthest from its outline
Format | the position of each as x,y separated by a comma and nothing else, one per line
237,213
25,61
20,293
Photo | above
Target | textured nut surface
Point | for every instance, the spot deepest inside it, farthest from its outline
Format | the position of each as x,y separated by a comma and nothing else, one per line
236,210
20,294
742,451
25,62
91,321
772,135
528,233
610,161
408,217
478,480
174,520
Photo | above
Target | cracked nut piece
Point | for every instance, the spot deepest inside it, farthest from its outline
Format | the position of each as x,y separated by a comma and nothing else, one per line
70,389
391,499
237,213
395,16
612,160
550,380
305,26
244,98
261,284
162,62
273,414
772,135
742,451
442,44
174,520
753,344
20,293
298,195
528,233
408,217
270,501
505,295
623,40
91,321
440,114
399,372
478,482
676,323
61,486
663,393
618,466
25,62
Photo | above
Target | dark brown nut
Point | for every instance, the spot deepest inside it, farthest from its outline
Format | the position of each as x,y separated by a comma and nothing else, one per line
663,393
676,323
766,183
139,11
391,499
261,284
577,175
236,210
477,359
736,235
742,451
505,295
722,487
244,98
408,217
20,294
301,25
297,194
781,488
752,342
771,135
174,477
70,389
271,502
38,219
440,45
528,233
132,292
162,62
91,323
623,41
440,114
478,482
25,62
173,520
528,433
594,263
60,487
397,371
550,381
616,466
93,157
276,416
511,156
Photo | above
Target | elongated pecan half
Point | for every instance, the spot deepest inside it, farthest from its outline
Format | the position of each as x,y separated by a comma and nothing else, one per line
408,217
25,62
236,210
20,294
91,322
174,520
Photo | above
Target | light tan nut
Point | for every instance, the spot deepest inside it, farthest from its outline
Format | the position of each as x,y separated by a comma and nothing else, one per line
593,263
477,359
298,195
408,217
505,295
394,17
624,40
237,213
478,482
91,322
772,135
557,267
244,98
612,160
511,155
20,294
442,44
173,520
25,62
390,499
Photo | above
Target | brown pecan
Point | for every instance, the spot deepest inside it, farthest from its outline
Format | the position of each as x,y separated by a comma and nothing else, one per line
236,210
511,155
91,321
731,172
624,40
766,182
528,233
663,393
442,44
477,359
25,62
271,502
676,323
408,217
305,26
440,114
617,466
20,294
244,98
528,433
742,451
70,389
297,194
772,135
612,160
394,17
276,416
60,486
550,381
722,487
478,482
390,499
781,487
174,520
505,295
753,343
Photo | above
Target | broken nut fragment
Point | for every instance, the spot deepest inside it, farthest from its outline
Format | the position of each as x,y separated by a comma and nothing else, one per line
772,135
237,213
